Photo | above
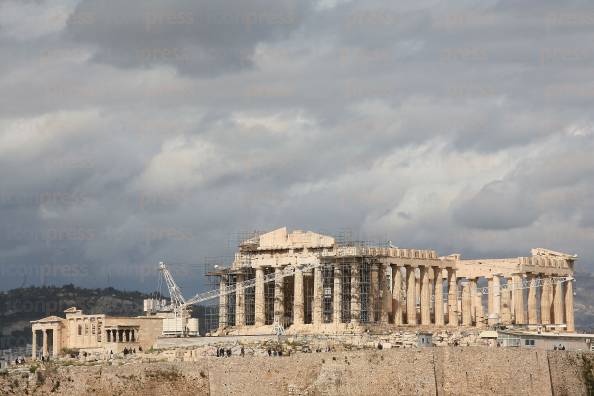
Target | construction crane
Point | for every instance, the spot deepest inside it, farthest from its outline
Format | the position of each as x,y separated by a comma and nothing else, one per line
178,302
177,320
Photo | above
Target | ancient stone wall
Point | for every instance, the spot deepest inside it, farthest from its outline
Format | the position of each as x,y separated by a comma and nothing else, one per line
572,373
431,371
500,371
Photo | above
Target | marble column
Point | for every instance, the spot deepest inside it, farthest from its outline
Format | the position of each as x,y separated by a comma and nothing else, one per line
418,294
438,292
223,301
558,303
318,296
78,337
374,294
298,303
466,305
506,306
569,319
518,294
34,345
240,303
473,291
45,346
510,285
497,298
552,300
490,299
279,296
532,317
425,297
411,296
478,307
355,293
545,301
397,295
385,300
259,309
337,297
55,341
452,298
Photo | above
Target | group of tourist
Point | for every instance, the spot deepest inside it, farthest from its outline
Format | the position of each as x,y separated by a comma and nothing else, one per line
130,350
222,352
275,352
126,351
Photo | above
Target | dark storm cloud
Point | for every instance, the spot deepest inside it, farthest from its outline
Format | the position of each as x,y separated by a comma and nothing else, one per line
196,37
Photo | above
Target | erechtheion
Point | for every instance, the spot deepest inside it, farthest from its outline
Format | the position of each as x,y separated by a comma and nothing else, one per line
93,333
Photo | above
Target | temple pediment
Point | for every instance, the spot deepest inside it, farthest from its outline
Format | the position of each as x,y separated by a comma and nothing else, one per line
49,319
282,239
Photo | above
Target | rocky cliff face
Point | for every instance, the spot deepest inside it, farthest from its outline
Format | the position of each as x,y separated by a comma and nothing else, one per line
430,371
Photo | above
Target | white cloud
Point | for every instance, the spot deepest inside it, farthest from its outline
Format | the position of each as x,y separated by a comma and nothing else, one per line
24,20
27,137
182,164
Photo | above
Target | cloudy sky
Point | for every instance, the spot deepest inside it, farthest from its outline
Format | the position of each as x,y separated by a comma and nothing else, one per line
135,131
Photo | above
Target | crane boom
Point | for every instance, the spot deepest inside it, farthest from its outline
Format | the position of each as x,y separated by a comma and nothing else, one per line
177,299
230,289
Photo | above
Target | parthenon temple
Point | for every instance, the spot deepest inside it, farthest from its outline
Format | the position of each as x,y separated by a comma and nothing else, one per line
308,283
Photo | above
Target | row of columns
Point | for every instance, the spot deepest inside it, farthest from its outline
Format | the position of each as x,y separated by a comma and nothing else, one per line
556,302
429,292
121,335
298,298
45,345
378,296
505,305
